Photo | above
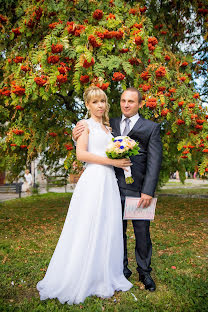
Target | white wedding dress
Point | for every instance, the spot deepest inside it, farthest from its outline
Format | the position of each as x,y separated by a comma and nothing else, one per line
88,259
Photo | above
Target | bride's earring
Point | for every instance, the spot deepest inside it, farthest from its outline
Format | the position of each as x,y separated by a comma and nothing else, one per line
87,114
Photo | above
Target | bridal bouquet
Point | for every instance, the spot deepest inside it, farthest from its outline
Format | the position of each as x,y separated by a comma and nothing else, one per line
123,147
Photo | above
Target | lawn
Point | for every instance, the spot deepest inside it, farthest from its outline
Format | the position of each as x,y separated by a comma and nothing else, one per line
184,191
31,227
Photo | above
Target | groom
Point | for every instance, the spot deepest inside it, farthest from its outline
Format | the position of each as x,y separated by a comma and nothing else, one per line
145,171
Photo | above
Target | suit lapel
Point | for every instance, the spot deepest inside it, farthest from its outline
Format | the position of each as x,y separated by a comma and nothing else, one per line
137,125
117,130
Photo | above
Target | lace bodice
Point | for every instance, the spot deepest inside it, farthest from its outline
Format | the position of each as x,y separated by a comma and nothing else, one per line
98,138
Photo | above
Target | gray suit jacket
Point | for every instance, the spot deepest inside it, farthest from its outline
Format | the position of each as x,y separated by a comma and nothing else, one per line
145,166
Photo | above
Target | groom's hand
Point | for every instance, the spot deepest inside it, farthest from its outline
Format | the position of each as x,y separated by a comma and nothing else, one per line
77,131
145,200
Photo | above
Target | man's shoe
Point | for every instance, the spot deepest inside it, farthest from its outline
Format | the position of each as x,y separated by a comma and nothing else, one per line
148,282
127,273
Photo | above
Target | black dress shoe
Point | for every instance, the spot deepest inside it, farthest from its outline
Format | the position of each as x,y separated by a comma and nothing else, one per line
148,282
127,273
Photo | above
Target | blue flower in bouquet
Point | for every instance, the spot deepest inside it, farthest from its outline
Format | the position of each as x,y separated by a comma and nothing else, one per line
123,147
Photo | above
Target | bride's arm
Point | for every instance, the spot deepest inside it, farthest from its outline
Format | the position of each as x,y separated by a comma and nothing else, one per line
85,156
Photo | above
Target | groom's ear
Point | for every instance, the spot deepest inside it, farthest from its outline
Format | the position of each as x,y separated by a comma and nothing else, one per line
141,104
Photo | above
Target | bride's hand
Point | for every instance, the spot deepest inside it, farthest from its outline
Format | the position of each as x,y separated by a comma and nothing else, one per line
122,163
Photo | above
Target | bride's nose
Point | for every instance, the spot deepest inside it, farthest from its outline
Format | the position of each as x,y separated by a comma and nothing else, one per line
101,104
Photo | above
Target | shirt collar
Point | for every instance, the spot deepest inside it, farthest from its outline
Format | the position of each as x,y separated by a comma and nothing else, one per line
132,119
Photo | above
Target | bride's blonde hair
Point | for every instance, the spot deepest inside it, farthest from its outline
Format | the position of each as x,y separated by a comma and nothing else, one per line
93,92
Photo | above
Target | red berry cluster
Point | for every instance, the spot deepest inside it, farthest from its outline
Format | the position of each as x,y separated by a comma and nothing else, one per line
87,64
199,127
172,90
152,41
145,87
200,121
69,147
61,79
135,61
151,103
98,14
143,9
196,96
53,134
145,75
160,72
75,30
203,11
19,107
110,16
16,31
93,42
25,68
167,57
180,104
113,34
38,13
191,105
18,132
18,59
136,25
84,79
139,40
3,19
117,76
5,91
133,11
161,88
103,86
40,81
164,112
57,48
63,68
53,25
18,90
180,122
124,50
184,64
53,59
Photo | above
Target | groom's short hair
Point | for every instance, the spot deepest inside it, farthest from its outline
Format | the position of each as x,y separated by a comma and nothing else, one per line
137,91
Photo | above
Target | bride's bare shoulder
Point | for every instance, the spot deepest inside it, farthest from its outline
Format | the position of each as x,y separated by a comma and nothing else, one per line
83,122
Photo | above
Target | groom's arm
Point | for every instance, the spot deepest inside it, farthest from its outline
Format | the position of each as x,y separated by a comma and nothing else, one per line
154,160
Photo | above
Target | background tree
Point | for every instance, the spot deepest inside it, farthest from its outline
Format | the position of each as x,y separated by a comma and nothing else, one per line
53,50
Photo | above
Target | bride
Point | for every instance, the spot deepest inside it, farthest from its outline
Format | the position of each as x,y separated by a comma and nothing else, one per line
88,259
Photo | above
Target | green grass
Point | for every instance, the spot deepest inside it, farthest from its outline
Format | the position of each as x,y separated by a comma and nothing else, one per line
30,230
180,184
185,191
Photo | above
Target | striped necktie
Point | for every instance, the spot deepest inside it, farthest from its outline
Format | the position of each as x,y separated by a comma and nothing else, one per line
127,127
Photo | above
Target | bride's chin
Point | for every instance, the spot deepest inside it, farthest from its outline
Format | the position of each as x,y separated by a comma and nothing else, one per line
99,115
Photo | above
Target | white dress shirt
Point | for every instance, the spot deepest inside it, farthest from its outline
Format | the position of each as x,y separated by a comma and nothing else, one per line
132,119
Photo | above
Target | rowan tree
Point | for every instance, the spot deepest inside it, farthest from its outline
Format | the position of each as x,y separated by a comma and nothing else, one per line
53,50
